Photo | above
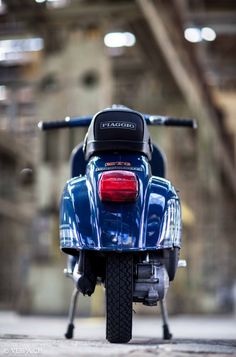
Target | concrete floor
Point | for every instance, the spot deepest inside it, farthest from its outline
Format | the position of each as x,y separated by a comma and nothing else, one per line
43,336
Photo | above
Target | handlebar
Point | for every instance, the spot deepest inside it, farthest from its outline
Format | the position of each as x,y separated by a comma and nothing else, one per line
84,121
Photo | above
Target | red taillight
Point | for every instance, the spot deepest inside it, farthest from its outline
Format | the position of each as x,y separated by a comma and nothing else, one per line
118,186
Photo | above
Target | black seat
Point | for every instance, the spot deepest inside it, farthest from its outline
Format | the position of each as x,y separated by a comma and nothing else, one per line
117,130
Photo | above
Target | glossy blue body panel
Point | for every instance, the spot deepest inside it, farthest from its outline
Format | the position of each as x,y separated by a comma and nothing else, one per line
88,223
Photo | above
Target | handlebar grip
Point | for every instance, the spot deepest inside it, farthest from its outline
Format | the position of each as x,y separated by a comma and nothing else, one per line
169,121
190,123
50,125
67,123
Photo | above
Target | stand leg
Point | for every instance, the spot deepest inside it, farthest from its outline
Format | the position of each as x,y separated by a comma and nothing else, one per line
166,332
72,308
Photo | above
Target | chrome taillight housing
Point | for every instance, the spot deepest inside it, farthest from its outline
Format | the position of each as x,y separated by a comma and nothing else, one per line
171,228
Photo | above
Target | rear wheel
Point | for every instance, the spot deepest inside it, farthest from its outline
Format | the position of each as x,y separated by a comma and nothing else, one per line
119,297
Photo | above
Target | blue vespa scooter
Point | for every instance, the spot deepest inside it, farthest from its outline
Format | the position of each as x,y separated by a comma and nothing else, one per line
120,219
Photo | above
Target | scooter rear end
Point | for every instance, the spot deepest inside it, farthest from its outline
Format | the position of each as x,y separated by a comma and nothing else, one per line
120,224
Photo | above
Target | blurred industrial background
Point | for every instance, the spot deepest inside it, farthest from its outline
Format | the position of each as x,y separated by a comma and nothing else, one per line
63,58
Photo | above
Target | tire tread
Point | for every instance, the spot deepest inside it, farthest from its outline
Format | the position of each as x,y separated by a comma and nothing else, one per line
119,297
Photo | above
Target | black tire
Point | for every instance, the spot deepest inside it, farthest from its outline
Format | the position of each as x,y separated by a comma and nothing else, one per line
119,297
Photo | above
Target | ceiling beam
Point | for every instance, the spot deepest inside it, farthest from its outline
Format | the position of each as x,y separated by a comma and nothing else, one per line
210,18
76,12
175,54
167,31
223,22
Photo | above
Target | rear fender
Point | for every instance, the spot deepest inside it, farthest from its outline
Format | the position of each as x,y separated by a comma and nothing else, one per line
88,223
76,221
161,216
